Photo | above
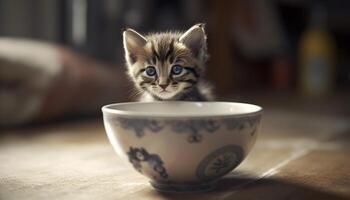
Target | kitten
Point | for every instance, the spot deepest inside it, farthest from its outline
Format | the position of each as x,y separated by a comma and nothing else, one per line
168,65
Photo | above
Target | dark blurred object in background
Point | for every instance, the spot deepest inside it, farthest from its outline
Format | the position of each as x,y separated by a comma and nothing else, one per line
41,81
255,46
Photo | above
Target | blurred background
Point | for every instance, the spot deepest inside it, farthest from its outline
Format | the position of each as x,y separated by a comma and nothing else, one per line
63,59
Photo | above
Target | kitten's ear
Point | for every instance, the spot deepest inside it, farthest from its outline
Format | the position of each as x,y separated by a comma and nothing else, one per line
195,39
133,44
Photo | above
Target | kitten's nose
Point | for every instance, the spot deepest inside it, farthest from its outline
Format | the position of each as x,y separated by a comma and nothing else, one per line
163,86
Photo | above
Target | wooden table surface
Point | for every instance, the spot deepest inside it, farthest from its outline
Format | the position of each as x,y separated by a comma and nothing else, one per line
297,156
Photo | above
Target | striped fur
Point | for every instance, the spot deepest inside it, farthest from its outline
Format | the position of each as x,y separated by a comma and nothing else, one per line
162,51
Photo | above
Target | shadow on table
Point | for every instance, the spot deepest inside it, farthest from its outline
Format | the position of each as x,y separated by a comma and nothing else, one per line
250,188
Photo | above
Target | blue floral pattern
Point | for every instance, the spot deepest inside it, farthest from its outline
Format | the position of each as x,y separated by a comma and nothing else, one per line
140,125
194,128
139,155
219,162
239,124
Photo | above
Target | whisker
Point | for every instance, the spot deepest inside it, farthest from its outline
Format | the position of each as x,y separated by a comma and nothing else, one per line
135,92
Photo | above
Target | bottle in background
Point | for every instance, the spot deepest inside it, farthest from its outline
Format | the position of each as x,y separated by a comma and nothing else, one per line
317,56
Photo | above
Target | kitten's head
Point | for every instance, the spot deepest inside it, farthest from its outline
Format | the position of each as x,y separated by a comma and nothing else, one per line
166,65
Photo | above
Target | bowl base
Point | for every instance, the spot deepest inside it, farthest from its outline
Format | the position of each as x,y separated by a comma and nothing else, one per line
182,188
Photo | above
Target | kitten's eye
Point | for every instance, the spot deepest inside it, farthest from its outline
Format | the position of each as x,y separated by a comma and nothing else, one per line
150,71
176,69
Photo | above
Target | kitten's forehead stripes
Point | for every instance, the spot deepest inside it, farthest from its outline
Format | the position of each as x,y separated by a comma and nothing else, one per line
170,50
154,60
154,52
171,59
150,62
165,51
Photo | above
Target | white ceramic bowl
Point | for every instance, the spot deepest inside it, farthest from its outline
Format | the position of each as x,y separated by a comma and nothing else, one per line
182,146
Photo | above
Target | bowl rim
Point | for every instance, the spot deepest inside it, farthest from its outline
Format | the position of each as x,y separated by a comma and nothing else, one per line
106,109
